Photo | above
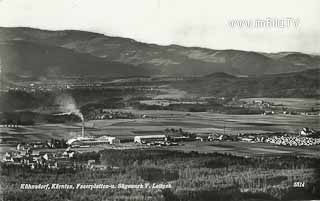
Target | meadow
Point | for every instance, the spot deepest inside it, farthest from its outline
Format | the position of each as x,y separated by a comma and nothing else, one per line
291,103
157,121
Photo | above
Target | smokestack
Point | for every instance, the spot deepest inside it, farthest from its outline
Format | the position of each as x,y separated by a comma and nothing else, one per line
82,130
68,106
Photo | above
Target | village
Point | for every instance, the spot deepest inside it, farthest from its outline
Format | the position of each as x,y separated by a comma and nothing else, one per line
60,154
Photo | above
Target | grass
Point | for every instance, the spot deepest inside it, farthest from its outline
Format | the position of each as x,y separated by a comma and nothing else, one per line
193,176
291,103
247,149
158,121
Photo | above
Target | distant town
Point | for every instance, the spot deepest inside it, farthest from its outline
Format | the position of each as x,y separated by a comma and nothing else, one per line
59,154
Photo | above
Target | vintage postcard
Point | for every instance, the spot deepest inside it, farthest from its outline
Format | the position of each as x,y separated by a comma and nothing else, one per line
159,100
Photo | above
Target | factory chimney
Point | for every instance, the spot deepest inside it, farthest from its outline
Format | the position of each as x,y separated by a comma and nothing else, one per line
1,77
82,129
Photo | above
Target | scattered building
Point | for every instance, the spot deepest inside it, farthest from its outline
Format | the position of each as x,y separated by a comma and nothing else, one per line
36,160
306,131
213,137
9,126
247,139
293,140
179,138
149,138
268,113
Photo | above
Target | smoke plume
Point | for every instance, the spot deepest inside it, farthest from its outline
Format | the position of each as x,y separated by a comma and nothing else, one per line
67,105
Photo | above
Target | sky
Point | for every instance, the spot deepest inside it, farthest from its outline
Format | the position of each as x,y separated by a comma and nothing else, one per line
288,25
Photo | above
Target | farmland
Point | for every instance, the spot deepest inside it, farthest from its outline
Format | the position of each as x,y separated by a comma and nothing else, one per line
196,170
291,103
157,121
81,108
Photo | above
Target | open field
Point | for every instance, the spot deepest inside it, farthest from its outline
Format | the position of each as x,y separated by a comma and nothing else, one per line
291,103
248,149
158,121
203,122
170,93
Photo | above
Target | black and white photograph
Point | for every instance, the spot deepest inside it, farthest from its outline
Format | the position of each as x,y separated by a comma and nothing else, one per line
159,100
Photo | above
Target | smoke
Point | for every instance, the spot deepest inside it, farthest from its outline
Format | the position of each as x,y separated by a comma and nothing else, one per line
67,105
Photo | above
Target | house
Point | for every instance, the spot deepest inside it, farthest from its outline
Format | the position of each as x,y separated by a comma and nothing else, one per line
7,158
199,139
306,131
213,137
268,113
258,101
52,164
68,153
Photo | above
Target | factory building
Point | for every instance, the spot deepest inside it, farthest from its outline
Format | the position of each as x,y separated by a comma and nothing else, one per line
90,141
149,138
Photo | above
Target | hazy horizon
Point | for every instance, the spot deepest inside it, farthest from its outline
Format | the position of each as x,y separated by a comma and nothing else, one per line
207,23
164,45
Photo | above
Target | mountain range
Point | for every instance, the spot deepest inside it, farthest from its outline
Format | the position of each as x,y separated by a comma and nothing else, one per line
305,84
36,53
